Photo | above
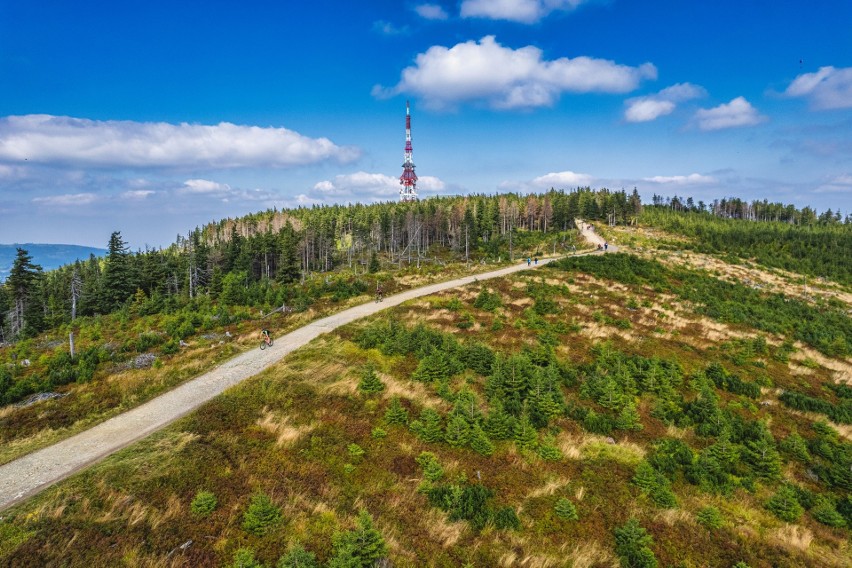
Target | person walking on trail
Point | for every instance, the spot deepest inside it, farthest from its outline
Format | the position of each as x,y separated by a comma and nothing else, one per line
536,260
606,246
529,261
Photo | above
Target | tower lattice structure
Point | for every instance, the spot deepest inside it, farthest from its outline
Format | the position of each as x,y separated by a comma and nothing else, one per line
408,179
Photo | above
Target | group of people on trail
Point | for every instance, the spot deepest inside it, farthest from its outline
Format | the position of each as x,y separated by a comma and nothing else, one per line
531,260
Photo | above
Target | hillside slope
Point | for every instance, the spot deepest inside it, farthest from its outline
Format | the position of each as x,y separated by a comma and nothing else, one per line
600,409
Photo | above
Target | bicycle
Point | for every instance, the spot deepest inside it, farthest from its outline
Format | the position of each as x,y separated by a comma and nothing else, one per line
379,297
266,341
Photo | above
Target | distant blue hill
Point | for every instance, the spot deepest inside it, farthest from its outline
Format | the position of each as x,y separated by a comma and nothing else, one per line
47,256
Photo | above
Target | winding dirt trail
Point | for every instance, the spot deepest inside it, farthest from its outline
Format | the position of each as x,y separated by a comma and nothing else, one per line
30,474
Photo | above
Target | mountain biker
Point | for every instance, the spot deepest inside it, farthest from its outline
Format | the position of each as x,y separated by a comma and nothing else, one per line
264,334
380,292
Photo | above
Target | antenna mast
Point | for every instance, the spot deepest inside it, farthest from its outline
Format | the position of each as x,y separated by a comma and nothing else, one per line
408,179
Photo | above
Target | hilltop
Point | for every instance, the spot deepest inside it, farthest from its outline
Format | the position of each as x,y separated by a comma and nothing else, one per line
684,402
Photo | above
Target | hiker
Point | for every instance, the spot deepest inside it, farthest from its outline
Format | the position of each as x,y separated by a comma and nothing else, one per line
536,260
606,246
529,261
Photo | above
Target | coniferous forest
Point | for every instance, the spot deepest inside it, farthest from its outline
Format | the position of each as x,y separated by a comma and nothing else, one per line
685,401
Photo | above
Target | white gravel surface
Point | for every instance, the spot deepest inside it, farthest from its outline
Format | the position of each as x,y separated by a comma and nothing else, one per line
26,476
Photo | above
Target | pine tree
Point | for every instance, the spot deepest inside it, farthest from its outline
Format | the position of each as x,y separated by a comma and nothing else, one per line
358,548
763,457
499,425
525,434
429,426
396,414
119,282
26,314
433,367
784,504
632,544
370,382
298,557
479,442
566,510
458,431
629,418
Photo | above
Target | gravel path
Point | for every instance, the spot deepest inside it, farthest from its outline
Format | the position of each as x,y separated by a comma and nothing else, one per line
28,475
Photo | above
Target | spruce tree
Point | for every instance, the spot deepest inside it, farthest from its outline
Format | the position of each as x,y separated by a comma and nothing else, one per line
525,434
119,282
479,442
566,510
298,557
358,548
429,426
499,425
26,315
784,504
632,544
458,431
396,414
370,382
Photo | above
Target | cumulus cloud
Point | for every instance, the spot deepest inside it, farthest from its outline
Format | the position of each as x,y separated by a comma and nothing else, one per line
691,179
46,139
204,186
364,185
738,112
67,200
522,11
828,88
431,11
506,78
562,180
651,107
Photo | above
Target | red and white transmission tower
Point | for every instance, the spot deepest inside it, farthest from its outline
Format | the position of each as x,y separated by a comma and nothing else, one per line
408,179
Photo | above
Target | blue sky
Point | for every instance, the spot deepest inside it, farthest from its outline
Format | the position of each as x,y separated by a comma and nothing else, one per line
155,117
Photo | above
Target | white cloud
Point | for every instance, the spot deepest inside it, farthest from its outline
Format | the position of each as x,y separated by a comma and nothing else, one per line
522,11
828,88
566,179
508,78
691,179
137,194
839,184
431,11
364,185
46,139
645,110
204,186
68,199
738,112
651,107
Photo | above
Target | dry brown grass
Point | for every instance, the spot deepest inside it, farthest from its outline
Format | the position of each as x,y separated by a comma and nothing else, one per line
280,427
588,554
793,536
550,487
440,529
